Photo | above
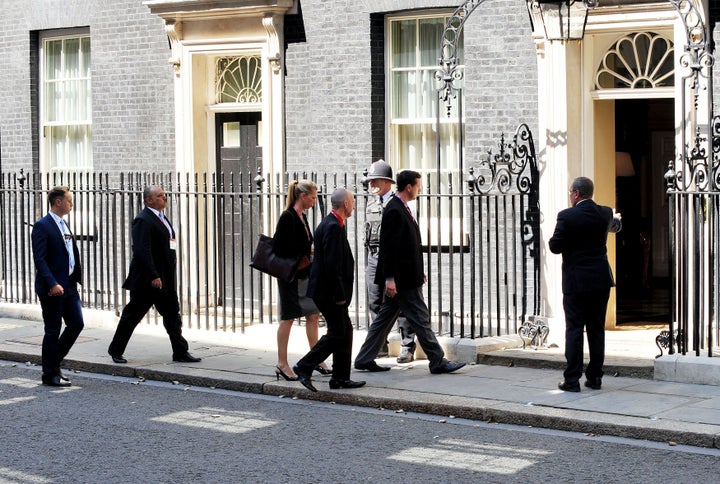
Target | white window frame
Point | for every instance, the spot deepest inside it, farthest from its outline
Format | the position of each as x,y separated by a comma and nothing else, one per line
46,126
440,227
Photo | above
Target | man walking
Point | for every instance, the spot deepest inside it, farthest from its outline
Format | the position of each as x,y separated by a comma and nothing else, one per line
151,278
380,178
331,287
581,237
400,269
57,274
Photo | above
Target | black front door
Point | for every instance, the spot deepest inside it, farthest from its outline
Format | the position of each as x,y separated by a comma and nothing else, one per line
238,157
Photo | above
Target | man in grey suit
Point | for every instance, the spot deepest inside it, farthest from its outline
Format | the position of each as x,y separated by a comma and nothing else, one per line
581,237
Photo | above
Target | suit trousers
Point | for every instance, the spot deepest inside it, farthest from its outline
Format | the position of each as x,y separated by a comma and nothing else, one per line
585,310
166,303
57,344
375,294
412,305
337,341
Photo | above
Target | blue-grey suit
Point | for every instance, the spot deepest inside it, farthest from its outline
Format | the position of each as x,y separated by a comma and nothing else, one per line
52,263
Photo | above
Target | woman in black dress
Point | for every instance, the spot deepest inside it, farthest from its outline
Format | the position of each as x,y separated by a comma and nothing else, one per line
293,239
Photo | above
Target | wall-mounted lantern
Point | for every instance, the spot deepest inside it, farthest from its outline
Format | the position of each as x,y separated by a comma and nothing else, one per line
562,19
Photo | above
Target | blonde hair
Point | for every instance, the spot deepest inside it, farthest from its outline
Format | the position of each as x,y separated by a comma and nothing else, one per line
295,188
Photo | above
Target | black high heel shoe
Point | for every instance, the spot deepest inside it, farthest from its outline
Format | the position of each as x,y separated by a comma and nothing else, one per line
323,371
279,373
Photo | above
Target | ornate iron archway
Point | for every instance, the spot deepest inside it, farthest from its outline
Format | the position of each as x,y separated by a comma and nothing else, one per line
692,179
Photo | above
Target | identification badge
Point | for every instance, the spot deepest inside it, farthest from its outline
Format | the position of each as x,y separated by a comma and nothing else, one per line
173,244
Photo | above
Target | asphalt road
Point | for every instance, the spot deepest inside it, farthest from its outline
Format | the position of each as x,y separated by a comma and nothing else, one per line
108,429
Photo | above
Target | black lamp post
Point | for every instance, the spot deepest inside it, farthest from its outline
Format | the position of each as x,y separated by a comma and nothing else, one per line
562,19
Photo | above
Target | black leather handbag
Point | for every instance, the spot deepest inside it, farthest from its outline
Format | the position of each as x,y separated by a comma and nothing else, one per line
265,260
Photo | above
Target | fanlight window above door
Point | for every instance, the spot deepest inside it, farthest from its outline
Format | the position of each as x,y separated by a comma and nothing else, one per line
239,80
641,60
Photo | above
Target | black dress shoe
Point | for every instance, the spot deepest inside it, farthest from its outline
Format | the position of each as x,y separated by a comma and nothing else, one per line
305,379
117,358
54,381
62,376
569,386
447,367
372,367
594,383
186,358
335,384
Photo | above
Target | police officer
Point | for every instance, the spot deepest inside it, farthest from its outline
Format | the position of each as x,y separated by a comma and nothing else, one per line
380,178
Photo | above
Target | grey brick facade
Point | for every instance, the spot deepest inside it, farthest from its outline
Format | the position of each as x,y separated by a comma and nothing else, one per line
335,84
334,80
132,82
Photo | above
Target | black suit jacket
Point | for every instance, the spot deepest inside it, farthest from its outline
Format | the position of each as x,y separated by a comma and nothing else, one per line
51,257
400,256
152,256
293,238
581,237
332,274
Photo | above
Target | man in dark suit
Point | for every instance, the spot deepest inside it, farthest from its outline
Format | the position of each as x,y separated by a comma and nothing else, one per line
151,278
400,268
581,237
331,287
57,274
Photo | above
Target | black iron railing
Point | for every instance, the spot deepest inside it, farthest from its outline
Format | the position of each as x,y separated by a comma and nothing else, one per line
482,261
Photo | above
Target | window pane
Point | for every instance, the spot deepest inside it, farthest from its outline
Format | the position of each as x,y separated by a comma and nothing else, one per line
231,134
53,51
403,43
404,94
72,58
85,48
56,145
428,94
431,31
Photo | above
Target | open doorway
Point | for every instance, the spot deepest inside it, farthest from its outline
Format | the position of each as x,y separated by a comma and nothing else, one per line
645,142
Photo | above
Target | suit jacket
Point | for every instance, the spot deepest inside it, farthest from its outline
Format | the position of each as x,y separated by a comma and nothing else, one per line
400,256
152,256
581,237
293,238
333,269
51,257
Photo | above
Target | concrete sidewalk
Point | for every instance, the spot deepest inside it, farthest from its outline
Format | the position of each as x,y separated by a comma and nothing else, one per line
510,386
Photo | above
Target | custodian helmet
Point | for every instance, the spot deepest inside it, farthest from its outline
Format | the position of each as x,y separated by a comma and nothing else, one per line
380,169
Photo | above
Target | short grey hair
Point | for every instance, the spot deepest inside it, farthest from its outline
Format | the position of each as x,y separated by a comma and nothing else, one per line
338,197
148,191
584,186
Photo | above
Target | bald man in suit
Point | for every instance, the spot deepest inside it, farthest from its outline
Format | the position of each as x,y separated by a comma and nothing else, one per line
581,237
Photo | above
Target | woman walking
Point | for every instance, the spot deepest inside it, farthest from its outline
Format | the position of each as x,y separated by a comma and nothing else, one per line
293,239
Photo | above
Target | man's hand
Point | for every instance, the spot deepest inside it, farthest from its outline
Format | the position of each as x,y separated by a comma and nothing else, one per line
156,283
56,290
390,289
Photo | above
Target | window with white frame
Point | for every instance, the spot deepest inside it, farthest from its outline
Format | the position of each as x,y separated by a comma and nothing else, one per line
66,102
413,51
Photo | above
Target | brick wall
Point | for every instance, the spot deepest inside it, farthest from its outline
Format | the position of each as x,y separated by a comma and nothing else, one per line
335,85
132,83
